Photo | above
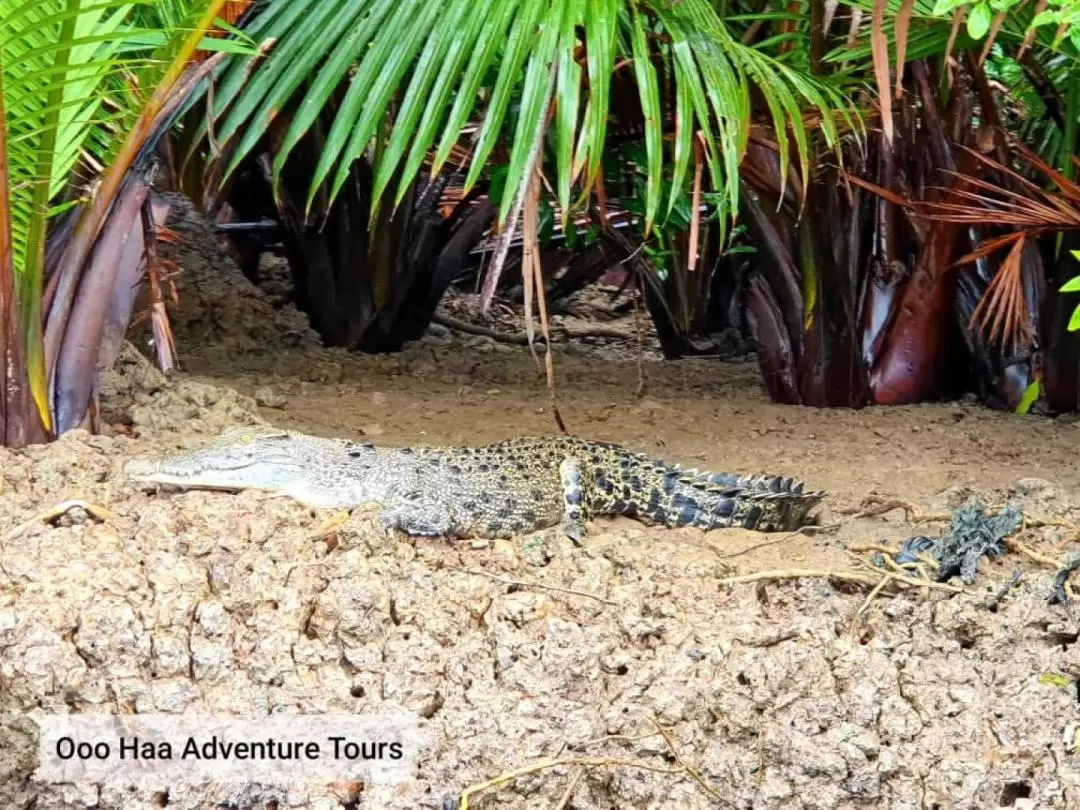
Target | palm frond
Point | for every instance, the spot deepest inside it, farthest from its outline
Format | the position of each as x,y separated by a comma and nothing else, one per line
59,56
489,61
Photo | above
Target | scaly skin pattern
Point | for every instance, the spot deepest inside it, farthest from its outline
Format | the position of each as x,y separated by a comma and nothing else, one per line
494,490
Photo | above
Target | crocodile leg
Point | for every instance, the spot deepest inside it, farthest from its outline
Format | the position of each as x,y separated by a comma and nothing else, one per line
416,517
573,492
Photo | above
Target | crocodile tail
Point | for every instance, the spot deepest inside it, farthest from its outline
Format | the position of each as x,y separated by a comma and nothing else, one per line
776,511
730,482
755,510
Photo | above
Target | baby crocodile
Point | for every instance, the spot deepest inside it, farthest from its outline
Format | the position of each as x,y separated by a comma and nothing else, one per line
494,490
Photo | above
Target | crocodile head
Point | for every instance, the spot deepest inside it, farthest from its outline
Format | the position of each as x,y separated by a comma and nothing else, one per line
256,458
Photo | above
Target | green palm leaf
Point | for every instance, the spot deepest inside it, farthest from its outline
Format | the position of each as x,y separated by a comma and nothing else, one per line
72,73
447,64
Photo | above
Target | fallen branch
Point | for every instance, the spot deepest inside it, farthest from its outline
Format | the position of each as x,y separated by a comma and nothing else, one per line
450,322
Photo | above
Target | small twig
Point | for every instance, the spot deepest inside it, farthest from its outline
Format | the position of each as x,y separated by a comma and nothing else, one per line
992,602
756,546
843,576
1038,523
697,777
801,573
1031,554
870,597
616,738
546,764
640,343
874,547
890,552
520,583
568,794
54,512
874,505
587,762
900,568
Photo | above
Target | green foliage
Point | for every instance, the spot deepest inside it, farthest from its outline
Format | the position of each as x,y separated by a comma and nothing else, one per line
500,61
76,76
72,73
61,60
1062,16
1073,285
1054,679
1029,397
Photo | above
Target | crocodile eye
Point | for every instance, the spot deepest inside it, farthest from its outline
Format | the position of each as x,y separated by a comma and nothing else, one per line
247,438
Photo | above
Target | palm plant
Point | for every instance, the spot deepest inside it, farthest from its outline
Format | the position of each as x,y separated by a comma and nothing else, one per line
87,86
1005,55
858,302
393,85
433,62
352,113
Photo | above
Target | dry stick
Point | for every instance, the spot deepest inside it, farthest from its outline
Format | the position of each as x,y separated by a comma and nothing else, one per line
874,506
695,222
521,583
547,764
640,341
530,255
487,292
844,576
1032,554
697,777
618,737
798,573
586,762
575,780
541,300
756,546
870,597
881,549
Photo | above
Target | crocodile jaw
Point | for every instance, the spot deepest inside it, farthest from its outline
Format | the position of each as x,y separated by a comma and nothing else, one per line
189,473
277,476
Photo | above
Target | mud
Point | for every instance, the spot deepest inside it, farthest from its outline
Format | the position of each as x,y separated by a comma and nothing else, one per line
778,694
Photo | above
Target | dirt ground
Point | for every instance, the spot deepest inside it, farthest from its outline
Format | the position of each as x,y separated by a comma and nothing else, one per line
774,694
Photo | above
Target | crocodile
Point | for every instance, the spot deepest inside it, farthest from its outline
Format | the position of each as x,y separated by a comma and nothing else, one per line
496,490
